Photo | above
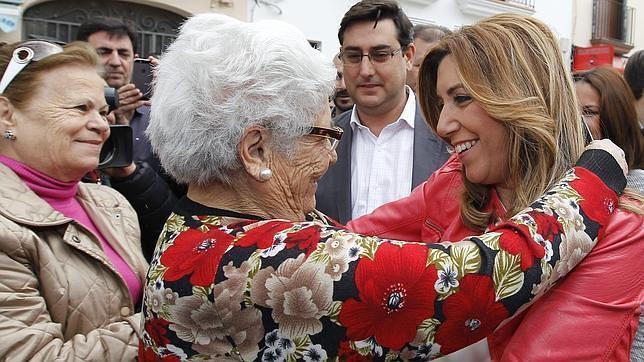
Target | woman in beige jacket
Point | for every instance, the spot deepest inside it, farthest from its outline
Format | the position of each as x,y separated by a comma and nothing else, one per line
70,257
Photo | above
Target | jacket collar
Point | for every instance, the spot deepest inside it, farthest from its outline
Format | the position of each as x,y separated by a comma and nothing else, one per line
21,205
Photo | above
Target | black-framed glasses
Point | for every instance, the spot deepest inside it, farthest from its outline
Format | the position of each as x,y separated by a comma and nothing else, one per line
25,53
353,58
333,135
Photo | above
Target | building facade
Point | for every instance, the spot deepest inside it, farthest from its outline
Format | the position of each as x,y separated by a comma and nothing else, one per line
591,32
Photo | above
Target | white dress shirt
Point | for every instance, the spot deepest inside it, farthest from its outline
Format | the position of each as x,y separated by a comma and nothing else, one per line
381,167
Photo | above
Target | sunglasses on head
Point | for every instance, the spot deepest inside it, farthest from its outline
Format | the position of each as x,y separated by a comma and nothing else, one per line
25,53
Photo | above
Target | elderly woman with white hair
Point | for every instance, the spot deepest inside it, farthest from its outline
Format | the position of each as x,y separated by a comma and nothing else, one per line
246,269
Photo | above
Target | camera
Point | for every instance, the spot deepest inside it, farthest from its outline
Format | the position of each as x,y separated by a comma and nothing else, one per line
117,151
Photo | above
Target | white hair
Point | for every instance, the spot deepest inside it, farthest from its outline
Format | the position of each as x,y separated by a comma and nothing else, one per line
222,75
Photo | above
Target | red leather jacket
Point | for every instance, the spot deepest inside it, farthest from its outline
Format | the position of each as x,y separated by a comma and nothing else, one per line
593,313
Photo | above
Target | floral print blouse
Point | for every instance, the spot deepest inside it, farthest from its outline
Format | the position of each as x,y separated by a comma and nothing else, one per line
275,290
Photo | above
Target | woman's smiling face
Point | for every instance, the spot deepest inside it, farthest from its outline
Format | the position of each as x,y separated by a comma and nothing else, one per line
63,127
477,139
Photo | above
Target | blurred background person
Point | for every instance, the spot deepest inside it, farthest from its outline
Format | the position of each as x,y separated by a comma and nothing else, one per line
515,128
71,264
634,75
247,269
342,101
147,187
608,108
425,36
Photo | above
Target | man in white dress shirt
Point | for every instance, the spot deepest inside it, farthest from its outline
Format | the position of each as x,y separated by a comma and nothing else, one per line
387,148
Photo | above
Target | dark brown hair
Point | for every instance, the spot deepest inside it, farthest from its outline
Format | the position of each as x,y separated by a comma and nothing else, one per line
617,114
376,10
634,73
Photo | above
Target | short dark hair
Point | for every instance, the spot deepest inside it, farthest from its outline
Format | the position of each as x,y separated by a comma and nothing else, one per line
113,28
376,10
429,32
634,73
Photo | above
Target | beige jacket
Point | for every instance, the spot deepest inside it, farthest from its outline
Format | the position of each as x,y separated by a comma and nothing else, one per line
60,296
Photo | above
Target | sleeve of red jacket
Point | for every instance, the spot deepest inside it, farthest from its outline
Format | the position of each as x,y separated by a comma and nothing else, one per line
412,218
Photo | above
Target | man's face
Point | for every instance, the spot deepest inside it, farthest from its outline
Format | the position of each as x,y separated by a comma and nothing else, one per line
422,47
117,57
341,97
376,87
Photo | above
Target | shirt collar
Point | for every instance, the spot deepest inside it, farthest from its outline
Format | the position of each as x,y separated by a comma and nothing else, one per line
408,114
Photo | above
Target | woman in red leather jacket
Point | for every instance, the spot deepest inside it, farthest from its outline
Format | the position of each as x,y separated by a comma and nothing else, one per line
499,94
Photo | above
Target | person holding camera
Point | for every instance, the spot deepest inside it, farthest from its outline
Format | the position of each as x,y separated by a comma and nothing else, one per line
70,259
147,187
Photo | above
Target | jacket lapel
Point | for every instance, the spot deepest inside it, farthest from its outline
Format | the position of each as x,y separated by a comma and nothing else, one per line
430,152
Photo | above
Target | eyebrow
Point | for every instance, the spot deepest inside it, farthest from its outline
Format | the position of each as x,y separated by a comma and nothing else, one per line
112,49
453,88
375,47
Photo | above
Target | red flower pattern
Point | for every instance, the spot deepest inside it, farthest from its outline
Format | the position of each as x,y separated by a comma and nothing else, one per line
547,226
597,208
157,330
306,239
470,314
262,236
520,243
347,354
198,253
147,354
396,292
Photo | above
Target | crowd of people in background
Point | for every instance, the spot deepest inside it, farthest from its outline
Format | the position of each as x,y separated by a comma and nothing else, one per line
427,193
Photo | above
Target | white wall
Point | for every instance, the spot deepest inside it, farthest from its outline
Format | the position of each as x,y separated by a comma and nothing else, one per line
320,19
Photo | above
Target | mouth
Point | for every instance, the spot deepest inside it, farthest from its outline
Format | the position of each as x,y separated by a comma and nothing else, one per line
91,142
462,147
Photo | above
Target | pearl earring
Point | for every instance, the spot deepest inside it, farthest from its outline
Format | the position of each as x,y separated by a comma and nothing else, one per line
8,134
265,174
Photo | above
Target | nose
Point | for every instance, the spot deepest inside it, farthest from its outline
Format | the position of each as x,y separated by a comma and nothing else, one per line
341,83
366,67
99,124
114,59
447,123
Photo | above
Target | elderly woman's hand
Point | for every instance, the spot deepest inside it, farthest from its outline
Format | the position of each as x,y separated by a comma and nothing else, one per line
608,146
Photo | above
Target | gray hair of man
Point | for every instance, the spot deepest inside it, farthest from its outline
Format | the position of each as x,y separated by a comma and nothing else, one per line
221,76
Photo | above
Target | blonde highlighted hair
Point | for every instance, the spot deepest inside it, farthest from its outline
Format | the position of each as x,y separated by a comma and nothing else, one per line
513,67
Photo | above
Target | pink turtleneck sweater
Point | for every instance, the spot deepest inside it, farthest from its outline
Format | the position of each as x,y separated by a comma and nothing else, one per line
61,197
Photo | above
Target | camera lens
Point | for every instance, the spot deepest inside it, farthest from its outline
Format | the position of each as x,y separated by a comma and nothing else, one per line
107,152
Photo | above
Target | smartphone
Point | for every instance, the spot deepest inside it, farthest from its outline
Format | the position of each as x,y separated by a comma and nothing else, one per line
142,76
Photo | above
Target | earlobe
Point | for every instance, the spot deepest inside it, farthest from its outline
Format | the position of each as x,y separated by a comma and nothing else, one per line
254,152
6,113
409,54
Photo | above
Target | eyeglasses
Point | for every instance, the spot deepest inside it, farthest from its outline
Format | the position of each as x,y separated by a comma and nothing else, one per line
353,58
25,53
333,135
